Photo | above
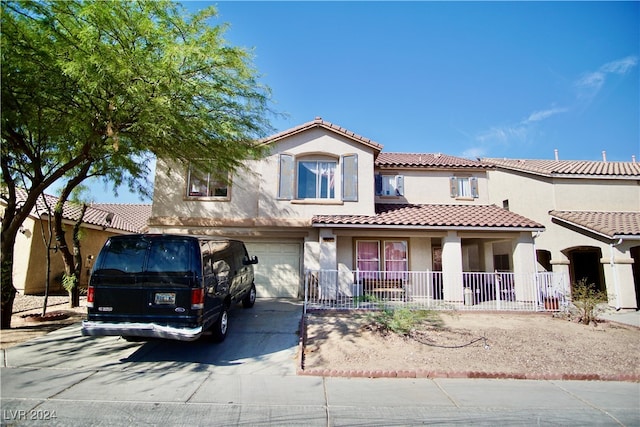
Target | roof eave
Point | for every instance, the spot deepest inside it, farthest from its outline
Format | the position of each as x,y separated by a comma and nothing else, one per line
427,227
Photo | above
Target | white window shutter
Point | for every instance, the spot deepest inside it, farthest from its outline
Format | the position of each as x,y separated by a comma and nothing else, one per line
399,185
350,177
474,187
453,186
286,179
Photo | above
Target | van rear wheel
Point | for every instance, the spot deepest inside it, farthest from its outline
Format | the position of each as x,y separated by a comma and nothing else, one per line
250,299
220,327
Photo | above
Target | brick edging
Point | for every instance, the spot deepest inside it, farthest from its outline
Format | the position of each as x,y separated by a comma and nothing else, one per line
423,373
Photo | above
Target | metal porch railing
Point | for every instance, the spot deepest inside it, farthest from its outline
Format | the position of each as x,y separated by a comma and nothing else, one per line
433,290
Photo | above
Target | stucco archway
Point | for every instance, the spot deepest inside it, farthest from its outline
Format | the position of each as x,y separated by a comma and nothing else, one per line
585,265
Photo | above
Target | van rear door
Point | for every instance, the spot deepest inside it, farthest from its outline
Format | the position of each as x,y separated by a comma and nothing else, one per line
146,279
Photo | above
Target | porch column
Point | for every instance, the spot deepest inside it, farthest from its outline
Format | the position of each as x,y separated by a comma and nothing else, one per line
560,264
618,276
524,267
488,257
328,249
452,267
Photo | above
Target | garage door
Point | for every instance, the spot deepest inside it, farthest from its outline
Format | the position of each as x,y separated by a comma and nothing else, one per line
277,273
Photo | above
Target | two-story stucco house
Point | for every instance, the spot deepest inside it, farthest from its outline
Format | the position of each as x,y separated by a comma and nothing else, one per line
327,199
591,212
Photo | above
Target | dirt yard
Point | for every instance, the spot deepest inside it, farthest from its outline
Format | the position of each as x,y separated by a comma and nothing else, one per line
513,344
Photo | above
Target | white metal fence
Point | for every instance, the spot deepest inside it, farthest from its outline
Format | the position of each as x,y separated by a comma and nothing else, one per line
344,289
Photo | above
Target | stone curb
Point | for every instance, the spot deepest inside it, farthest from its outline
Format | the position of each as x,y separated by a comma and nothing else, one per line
426,374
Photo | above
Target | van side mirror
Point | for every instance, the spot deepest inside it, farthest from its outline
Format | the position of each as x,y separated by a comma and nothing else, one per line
249,261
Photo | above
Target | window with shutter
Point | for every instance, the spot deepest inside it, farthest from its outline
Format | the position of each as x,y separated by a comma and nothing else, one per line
389,185
350,178
463,187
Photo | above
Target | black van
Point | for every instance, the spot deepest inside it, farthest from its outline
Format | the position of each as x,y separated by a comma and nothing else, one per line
167,286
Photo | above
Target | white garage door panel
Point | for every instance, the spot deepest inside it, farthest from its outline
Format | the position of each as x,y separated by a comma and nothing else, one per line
277,273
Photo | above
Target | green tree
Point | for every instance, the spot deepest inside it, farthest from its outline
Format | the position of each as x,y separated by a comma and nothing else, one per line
97,89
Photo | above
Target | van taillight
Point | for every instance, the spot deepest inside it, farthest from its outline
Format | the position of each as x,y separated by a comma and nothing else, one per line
197,298
91,294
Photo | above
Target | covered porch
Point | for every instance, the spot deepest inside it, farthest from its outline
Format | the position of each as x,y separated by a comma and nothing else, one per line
447,256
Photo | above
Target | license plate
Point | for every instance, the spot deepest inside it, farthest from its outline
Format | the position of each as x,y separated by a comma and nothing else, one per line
165,298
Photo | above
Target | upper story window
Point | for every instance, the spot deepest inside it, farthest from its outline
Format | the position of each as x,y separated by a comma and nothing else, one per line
205,185
318,177
389,185
463,187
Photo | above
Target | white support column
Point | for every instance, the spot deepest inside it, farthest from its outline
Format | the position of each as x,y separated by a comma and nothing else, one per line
618,276
328,250
328,261
452,267
524,267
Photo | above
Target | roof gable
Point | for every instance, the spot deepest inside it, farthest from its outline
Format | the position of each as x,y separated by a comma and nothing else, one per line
319,123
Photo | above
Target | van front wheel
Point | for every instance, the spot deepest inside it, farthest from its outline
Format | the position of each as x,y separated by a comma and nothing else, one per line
250,299
219,328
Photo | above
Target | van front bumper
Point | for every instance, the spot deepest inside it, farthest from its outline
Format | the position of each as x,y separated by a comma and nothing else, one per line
145,330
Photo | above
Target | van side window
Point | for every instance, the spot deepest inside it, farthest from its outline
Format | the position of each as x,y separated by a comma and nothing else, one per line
168,256
125,255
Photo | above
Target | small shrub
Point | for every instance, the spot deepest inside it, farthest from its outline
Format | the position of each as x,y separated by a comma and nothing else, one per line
586,299
402,321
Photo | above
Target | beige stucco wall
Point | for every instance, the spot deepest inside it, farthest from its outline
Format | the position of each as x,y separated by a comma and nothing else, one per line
254,192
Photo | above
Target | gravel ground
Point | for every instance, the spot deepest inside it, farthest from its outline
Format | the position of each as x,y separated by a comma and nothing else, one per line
24,303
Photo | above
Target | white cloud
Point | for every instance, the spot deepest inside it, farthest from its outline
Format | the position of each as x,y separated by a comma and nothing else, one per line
536,116
621,66
592,81
503,134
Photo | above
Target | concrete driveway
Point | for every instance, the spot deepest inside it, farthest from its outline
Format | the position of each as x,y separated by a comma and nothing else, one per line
265,335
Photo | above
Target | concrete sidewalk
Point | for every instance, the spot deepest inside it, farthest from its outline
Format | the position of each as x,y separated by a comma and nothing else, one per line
628,317
250,379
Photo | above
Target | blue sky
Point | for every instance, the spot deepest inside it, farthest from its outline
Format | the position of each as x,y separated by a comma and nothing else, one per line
470,79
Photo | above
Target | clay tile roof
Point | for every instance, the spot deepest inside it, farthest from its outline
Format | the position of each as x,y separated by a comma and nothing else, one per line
434,217
613,225
125,217
319,123
574,168
427,160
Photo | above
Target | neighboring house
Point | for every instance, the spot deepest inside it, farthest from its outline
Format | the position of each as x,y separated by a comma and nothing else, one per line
328,199
100,222
591,212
